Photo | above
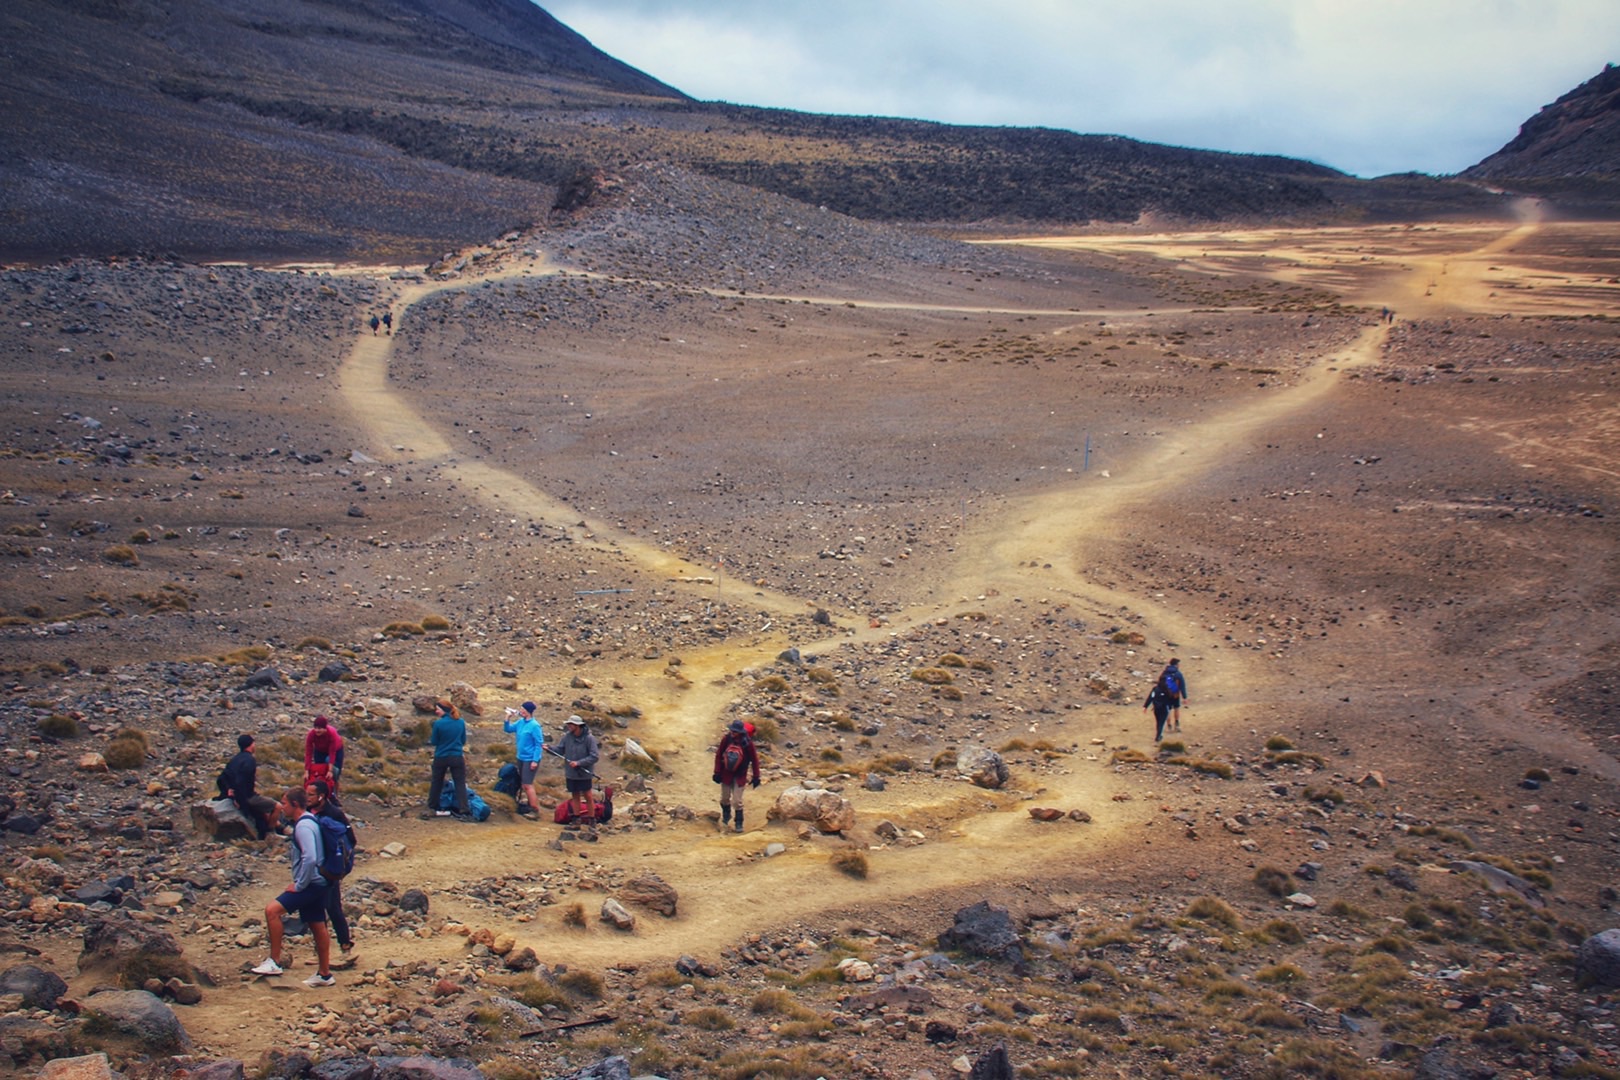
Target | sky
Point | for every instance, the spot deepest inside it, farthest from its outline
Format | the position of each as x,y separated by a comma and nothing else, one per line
1366,86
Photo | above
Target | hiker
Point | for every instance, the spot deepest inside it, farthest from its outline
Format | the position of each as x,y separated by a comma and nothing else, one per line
449,750
375,322
323,804
238,782
306,895
530,740
388,322
1174,685
732,760
323,753
579,752
1159,702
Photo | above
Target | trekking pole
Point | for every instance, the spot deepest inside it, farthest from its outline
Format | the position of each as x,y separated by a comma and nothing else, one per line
559,753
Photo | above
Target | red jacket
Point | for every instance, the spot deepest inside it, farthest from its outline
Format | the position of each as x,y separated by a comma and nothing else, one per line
313,744
750,759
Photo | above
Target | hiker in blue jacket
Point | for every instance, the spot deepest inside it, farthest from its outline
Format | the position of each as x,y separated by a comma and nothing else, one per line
531,741
1174,685
449,756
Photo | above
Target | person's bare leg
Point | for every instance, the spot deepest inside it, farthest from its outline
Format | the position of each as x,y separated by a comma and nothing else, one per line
273,912
323,947
534,800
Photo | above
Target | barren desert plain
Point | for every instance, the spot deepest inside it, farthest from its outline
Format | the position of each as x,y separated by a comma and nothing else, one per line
622,465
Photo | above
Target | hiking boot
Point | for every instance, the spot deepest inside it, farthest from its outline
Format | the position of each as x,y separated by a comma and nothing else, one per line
739,821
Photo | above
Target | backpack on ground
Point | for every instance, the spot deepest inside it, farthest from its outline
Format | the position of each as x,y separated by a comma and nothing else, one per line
477,808
337,848
506,782
597,811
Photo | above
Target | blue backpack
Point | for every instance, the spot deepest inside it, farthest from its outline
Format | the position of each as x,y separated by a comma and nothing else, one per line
475,804
507,781
337,848
1170,681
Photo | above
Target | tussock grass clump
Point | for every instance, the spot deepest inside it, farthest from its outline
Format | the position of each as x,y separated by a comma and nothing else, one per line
772,684
1274,881
1172,747
1130,756
1212,909
398,630
313,644
1539,775
1281,930
710,1018
844,722
120,555
435,623
640,766
1278,974
54,852
851,862
952,660
1295,757
1278,743
246,656
582,984
933,676
140,536
1333,795
59,726
766,730
832,753
537,993
127,750
945,759
821,675
24,530
1127,637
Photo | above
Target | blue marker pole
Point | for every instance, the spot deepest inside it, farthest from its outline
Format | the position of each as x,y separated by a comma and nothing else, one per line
1087,466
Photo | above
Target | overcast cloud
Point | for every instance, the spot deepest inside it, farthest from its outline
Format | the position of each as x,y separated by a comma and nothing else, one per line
1367,86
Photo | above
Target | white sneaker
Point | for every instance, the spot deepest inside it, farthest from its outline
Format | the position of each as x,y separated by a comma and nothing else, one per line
269,967
441,813
318,979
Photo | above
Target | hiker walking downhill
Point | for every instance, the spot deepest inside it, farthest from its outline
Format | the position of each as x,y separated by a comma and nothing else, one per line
323,753
531,741
449,756
579,752
1174,685
733,759
323,804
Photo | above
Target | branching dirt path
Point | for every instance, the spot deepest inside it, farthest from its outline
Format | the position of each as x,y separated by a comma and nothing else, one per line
1037,549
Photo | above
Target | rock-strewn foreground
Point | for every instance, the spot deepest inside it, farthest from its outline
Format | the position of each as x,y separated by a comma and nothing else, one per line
929,515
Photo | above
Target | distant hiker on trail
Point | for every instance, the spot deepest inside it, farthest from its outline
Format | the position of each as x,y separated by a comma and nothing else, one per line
579,752
306,895
323,753
238,781
1174,685
449,755
1159,701
375,322
388,322
733,759
323,804
531,741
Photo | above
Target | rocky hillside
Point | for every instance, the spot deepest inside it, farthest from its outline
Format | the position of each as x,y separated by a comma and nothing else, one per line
397,129
1570,148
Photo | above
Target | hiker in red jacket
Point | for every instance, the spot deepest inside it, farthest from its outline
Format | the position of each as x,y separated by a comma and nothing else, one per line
323,753
733,759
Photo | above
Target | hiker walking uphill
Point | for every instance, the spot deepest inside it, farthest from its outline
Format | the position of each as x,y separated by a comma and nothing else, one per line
733,759
321,803
306,895
531,741
449,756
579,752
1174,686
1159,702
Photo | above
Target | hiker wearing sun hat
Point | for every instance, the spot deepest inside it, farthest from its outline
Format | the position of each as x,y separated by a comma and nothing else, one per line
733,759
530,740
579,752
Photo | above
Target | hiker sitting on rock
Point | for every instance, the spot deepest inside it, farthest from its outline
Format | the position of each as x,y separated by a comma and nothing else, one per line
238,783
733,759
579,752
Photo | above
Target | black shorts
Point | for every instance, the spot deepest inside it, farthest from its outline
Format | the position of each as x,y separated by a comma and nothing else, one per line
579,787
308,902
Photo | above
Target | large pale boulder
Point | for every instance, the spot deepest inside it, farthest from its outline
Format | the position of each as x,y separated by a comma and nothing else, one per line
652,892
827,810
982,765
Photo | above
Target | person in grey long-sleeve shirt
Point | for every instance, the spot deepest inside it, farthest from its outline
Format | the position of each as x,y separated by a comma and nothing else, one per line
307,894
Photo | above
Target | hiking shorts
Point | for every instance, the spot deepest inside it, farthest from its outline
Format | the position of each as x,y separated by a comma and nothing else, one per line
526,773
579,787
309,902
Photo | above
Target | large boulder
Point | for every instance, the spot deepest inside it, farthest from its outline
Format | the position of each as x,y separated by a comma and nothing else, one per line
1599,958
89,1067
984,930
650,891
39,988
827,810
120,946
465,698
221,819
982,765
24,1038
139,1015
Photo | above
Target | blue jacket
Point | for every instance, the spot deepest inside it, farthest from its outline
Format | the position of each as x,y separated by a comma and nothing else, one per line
529,737
449,737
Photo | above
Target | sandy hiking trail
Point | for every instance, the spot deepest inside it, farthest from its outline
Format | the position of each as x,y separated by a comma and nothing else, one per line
1035,548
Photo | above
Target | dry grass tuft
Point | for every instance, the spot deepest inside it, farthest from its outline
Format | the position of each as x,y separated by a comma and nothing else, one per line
851,861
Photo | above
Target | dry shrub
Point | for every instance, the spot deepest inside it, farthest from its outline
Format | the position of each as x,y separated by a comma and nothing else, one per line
435,623
584,984
1274,881
403,630
933,676
1279,742
772,684
952,660
851,861
821,675
945,759
766,730
1213,909
124,754
574,915
59,726
710,1018
312,643
121,555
